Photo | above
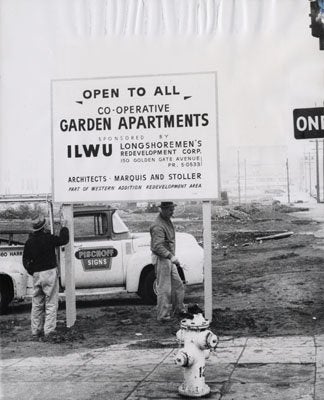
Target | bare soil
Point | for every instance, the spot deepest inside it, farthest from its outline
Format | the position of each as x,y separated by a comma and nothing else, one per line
260,288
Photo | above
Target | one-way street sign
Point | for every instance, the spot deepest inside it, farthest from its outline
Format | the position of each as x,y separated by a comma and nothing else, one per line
309,123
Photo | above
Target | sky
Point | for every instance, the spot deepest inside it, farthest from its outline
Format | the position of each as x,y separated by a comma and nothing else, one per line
266,60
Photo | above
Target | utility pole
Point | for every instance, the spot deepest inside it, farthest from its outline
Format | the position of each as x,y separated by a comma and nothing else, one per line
318,196
305,173
288,186
238,177
245,182
310,174
317,174
323,169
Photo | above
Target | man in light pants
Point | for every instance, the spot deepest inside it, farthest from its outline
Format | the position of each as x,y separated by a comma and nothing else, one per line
39,260
170,289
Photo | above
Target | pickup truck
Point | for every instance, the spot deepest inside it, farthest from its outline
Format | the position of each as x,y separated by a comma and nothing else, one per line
108,258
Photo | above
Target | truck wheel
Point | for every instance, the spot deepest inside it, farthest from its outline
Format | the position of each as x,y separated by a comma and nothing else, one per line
148,289
4,299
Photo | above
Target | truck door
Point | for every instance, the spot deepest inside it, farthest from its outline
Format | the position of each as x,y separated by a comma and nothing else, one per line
98,259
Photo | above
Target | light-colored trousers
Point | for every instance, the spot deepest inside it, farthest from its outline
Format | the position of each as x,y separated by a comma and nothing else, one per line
44,302
170,289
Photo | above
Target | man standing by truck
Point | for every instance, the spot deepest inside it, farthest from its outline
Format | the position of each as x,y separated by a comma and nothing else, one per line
39,259
170,289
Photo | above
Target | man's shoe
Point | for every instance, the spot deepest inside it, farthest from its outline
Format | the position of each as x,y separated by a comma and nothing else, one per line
183,314
165,319
52,337
36,337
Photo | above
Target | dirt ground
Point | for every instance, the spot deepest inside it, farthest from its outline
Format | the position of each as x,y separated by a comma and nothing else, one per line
260,288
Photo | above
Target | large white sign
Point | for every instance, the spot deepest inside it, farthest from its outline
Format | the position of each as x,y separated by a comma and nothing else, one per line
134,138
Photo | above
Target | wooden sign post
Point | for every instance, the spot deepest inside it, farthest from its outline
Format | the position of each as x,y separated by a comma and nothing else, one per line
207,238
69,268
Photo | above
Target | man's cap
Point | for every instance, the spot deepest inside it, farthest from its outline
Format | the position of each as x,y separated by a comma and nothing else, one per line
166,204
38,223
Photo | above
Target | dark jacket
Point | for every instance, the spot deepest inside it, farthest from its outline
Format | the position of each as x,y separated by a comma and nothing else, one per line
39,251
162,237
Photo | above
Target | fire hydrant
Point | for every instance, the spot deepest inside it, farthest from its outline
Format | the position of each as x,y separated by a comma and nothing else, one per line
198,341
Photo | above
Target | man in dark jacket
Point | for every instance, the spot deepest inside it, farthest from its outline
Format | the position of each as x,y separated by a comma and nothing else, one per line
39,259
170,289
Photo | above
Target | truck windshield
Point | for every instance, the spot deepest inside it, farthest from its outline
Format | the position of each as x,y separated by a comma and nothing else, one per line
118,224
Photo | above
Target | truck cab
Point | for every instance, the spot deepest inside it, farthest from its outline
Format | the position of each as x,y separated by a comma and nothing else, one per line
102,246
